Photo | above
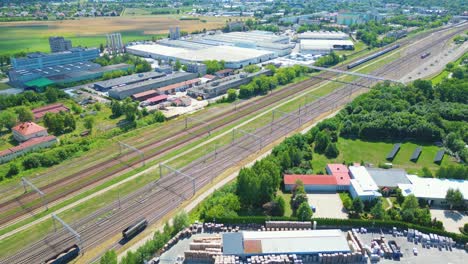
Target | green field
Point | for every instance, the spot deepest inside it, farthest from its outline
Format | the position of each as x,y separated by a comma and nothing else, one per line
355,150
35,38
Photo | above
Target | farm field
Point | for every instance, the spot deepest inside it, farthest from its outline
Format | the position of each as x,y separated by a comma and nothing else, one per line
30,36
355,150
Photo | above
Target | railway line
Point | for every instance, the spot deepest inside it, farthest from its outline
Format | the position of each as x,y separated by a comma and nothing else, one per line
87,177
82,179
156,199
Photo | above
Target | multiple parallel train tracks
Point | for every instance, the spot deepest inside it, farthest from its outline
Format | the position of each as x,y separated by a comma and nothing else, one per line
160,197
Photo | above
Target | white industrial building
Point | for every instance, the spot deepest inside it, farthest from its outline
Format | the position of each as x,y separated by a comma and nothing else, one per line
433,190
234,57
330,35
324,46
362,184
249,243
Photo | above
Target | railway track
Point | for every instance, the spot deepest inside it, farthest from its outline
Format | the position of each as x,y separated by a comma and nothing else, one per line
82,179
156,199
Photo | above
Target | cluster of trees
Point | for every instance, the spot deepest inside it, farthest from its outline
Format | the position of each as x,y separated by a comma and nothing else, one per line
370,31
420,111
251,68
300,202
453,172
140,64
262,84
455,198
126,107
30,98
150,248
222,203
116,74
213,66
45,158
329,60
59,123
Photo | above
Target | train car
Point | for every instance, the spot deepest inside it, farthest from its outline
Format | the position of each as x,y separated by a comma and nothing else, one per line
65,256
425,55
131,231
373,56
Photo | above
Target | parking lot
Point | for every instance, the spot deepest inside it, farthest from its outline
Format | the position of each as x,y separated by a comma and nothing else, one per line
425,255
452,219
327,205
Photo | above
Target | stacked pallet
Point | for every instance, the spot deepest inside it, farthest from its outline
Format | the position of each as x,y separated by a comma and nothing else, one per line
340,257
286,225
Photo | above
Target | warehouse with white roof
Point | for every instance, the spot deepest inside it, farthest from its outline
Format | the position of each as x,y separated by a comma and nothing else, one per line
324,46
433,190
362,184
234,57
308,242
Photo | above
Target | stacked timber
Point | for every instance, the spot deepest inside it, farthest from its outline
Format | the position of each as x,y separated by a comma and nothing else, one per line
200,255
286,225
220,259
340,257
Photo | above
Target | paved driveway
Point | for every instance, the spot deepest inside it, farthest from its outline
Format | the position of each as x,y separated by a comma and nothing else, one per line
452,219
327,204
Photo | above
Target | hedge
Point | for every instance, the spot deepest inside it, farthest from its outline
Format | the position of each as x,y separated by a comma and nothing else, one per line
332,222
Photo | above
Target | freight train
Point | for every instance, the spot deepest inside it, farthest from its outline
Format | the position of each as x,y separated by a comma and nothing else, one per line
373,56
65,256
131,231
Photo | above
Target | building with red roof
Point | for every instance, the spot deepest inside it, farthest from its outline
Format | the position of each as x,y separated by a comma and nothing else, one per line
178,87
27,146
53,108
27,130
156,100
337,179
144,95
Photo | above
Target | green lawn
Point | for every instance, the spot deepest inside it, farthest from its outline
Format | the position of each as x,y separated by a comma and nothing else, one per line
376,152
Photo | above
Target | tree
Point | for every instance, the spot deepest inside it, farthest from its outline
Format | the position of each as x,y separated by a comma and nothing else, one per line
116,108
101,47
410,203
426,172
279,206
322,140
24,114
51,94
12,170
158,117
304,212
358,205
177,65
332,151
231,95
110,257
377,210
399,196
7,119
89,122
458,73
454,198
181,221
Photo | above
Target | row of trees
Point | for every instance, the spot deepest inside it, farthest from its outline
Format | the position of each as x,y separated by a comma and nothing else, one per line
30,98
329,60
262,84
140,64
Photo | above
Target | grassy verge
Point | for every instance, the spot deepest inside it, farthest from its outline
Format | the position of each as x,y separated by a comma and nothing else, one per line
4,86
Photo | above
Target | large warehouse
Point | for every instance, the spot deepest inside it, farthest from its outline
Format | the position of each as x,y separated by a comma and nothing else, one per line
122,92
324,46
234,57
308,242
433,190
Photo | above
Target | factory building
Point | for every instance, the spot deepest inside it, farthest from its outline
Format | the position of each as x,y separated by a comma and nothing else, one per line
433,190
40,60
59,44
362,184
234,57
324,46
124,91
331,35
301,242
126,80
220,86
174,33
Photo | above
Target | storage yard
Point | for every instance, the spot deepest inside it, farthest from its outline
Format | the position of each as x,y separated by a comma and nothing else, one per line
297,242
167,197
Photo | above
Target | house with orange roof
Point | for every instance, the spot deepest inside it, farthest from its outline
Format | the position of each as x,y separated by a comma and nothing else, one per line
27,130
